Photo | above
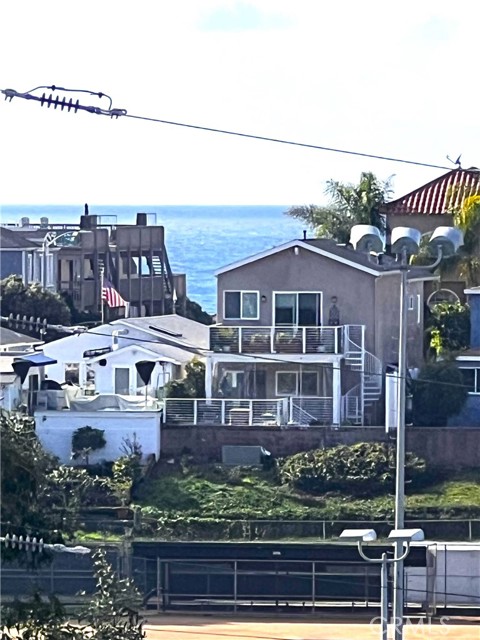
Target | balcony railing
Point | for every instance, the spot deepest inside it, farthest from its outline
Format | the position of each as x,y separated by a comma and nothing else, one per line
246,340
236,413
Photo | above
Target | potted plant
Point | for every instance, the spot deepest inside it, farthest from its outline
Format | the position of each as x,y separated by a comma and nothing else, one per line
226,337
288,341
259,342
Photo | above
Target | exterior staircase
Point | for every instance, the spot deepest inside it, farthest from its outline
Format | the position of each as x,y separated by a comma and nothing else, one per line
364,395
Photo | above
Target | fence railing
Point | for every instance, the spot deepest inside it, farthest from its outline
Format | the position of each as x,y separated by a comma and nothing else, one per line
294,411
245,530
320,410
198,411
235,339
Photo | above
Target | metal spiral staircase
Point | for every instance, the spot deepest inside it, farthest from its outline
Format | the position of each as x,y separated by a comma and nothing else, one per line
369,390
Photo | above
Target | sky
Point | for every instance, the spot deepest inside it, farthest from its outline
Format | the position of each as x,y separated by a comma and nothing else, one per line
387,78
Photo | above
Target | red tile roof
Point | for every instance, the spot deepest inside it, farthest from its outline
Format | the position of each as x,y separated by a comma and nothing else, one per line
442,195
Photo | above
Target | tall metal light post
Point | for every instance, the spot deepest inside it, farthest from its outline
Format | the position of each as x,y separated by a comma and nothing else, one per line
405,242
400,537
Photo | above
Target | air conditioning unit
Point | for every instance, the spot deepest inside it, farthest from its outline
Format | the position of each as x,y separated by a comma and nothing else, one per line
244,455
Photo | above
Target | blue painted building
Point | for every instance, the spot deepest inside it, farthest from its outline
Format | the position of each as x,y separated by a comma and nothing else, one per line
469,364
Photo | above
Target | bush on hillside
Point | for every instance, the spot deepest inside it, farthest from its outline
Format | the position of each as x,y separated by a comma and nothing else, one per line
32,300
365,468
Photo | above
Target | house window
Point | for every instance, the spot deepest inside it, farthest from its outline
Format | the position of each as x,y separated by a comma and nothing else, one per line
309,382
142,268
286,383
122,380
29,277
241,305
294,383
72,372
301,309
471,379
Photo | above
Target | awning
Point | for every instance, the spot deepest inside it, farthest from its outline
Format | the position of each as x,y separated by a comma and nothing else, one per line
38,359
22,365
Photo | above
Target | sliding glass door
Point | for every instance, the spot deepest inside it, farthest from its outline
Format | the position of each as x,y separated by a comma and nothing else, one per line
298,309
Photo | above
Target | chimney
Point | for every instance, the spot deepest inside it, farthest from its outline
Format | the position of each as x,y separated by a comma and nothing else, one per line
141,219
473,299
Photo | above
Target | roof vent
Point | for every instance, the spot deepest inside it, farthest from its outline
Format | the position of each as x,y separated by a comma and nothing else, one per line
141,219
25,222
44,222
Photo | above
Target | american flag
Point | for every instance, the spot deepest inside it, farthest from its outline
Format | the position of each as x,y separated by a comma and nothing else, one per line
111,295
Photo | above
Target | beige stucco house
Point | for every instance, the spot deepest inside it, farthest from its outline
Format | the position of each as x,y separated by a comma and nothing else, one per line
309,326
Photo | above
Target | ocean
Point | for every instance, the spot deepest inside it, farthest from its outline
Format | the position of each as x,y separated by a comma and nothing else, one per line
199,239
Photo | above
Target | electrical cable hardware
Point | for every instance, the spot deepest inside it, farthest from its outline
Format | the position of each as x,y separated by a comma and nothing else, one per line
116,113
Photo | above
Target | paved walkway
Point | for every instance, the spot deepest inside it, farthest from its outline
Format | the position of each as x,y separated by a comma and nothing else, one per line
171,627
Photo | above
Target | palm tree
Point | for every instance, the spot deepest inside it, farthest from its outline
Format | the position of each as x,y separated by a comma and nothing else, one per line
350,204
467,219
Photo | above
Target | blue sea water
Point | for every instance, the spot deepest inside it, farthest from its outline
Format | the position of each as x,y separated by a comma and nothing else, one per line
199,239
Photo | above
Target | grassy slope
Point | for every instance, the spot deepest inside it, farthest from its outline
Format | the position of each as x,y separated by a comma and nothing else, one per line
250,494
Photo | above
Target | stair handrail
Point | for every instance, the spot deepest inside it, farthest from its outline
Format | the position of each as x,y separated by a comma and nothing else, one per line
350,342
354,392
301,412
373,367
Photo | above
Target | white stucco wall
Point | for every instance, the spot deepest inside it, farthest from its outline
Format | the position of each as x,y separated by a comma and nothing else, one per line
71,349
128,352
10,395
127,358
55,430
456,575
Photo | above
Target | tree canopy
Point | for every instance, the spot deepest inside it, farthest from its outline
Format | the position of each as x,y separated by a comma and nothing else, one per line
439,392
448,327
467,262
32,300
350,204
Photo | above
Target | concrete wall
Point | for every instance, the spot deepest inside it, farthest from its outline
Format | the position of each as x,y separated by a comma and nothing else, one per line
440,446
55,430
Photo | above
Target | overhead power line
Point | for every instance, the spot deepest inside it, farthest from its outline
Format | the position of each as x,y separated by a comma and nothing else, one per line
58,102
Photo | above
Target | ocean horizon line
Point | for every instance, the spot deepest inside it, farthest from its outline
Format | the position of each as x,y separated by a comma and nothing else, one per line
96,204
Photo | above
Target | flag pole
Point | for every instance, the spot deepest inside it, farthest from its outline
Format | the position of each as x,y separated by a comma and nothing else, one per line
102,307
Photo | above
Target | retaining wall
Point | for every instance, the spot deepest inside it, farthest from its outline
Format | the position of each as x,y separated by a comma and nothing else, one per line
450,447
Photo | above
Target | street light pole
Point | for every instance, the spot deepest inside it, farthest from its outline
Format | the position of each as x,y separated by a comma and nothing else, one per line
405,242
400,537
398,603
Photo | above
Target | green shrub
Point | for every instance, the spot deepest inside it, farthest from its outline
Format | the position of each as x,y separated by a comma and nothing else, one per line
439,392
85,440
126,472
366,468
